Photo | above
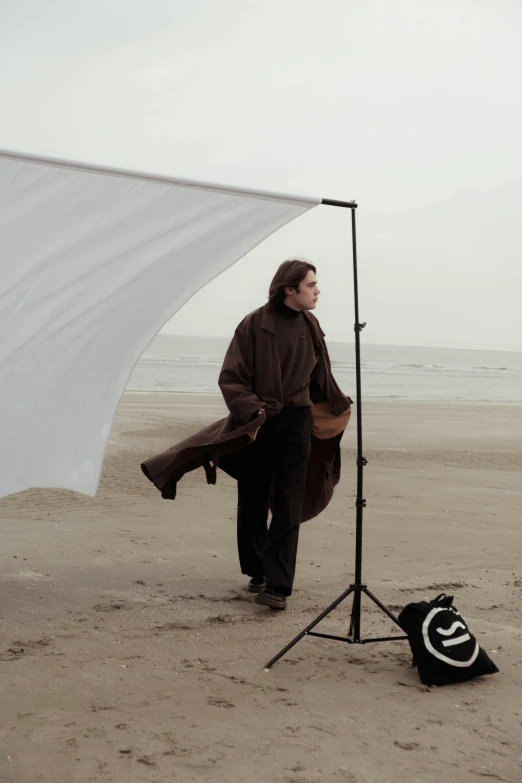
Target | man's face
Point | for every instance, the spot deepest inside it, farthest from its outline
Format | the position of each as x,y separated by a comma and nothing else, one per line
307,295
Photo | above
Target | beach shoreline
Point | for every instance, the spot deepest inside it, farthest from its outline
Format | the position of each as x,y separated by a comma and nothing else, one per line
215,396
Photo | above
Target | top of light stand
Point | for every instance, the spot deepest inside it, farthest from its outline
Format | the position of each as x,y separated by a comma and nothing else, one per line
332,202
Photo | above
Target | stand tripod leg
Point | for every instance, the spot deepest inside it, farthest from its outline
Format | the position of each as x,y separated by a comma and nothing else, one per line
309,627
382,607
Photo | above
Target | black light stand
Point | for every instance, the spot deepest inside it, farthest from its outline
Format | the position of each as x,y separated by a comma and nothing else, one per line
357,588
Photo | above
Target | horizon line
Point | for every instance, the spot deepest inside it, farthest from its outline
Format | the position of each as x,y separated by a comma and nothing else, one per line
344,342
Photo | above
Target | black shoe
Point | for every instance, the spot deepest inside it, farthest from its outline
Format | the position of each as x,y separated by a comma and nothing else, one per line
257,584
272,599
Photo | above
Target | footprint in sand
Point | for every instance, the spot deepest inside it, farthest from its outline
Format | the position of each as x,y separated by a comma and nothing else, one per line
223,703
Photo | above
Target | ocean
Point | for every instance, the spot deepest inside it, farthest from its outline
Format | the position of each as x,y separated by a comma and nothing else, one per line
389,372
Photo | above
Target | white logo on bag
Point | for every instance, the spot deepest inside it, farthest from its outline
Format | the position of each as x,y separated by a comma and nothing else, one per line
439,637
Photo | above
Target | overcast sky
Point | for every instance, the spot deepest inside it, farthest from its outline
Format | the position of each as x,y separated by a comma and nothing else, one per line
414,108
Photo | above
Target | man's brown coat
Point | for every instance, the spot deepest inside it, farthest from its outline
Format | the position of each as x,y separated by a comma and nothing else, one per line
250,381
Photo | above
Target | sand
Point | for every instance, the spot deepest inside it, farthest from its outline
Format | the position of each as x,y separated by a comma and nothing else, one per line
130,650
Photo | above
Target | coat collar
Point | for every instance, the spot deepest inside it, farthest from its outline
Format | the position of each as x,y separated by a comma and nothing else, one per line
268,323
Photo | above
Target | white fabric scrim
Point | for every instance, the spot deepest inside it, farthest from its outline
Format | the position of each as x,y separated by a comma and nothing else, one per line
93,262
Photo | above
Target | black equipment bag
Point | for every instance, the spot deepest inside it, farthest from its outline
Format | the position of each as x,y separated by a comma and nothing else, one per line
444,651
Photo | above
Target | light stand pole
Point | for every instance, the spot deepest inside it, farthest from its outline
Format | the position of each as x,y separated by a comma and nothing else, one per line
357,588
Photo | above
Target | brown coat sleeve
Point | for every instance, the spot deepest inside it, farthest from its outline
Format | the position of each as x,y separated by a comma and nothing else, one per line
237,374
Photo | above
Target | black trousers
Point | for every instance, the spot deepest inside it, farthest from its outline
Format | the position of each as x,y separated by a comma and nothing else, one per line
278,457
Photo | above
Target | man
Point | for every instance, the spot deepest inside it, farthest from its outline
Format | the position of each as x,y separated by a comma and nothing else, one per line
278,458
281,439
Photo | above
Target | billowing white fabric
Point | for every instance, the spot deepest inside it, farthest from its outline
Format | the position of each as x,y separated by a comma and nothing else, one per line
93,262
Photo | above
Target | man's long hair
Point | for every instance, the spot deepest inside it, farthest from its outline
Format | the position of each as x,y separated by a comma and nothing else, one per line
289,275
